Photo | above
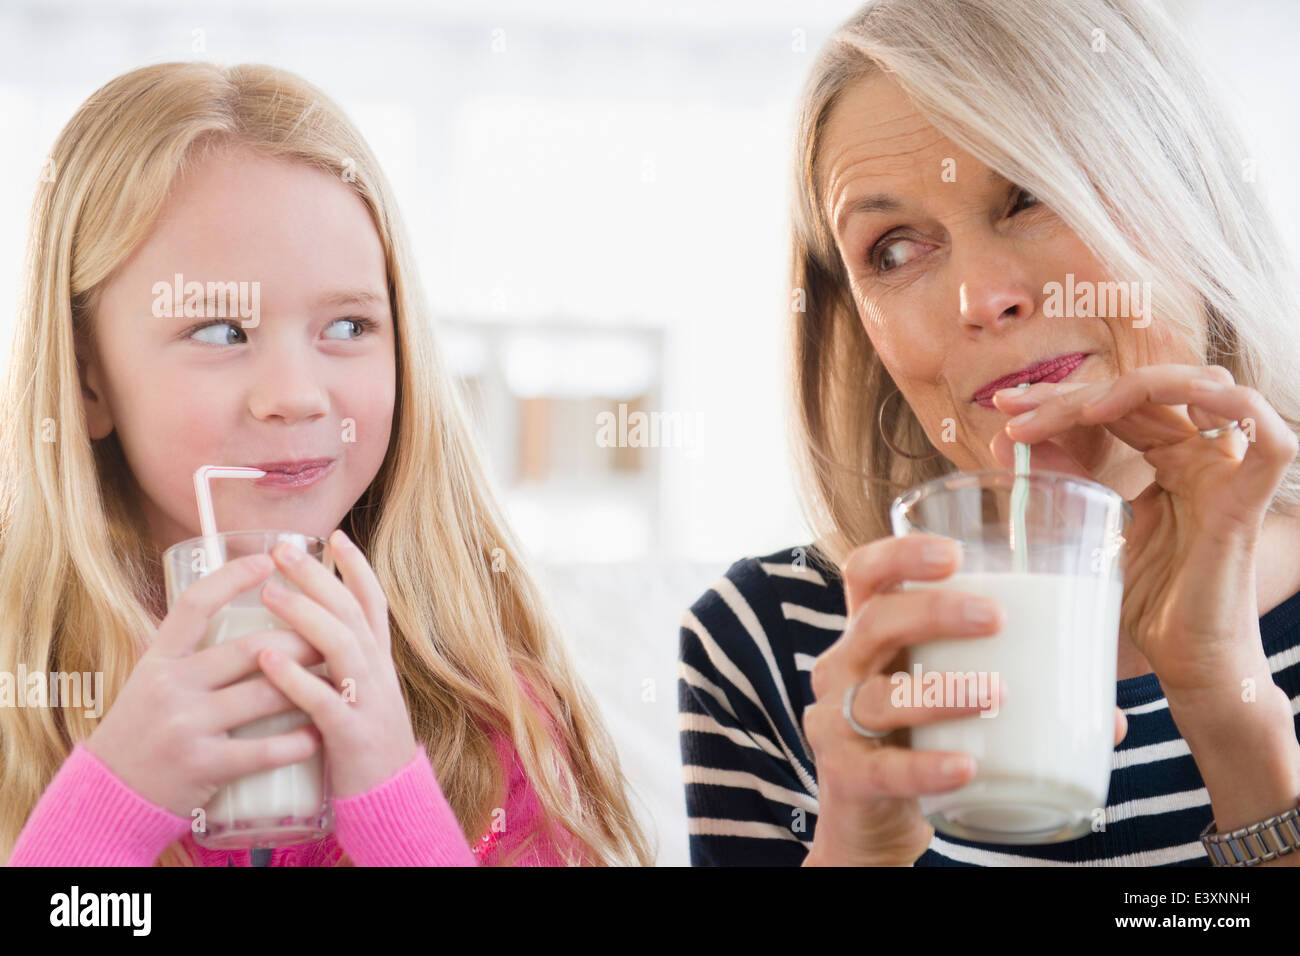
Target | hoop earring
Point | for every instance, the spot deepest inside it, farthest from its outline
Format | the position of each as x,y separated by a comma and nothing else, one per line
880,424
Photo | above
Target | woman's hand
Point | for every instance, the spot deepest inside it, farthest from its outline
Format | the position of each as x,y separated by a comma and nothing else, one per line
1189,601
165,735
359,711
867,812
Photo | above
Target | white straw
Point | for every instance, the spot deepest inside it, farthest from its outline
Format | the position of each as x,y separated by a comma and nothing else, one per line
1019,498
203,492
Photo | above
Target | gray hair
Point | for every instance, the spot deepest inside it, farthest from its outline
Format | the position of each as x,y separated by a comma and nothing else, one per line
1096,107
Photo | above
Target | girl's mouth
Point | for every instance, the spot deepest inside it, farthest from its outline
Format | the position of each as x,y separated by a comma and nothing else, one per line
295,475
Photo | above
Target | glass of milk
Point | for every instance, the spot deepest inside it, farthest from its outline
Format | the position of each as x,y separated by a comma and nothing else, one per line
283,805
1049,548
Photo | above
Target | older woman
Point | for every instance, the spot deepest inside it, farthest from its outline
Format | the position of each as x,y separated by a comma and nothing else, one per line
972,180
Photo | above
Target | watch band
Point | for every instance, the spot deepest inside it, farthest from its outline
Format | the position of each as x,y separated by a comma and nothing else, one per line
1257,843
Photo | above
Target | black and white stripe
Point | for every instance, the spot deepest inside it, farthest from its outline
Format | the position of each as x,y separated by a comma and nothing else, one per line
744,678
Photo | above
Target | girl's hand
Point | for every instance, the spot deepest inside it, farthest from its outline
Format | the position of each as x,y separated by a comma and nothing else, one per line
165,734
359,711
1189,599
867,813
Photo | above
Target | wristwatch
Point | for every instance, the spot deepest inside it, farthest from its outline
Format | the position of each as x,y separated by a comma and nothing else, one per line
1257,843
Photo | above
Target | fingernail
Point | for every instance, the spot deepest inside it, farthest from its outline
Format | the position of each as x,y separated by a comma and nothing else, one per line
289,554
270,656
1202,385
272,590
261,563
954,766
977,611
1021,419
936,555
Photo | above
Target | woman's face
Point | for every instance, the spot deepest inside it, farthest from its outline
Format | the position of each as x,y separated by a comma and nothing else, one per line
951,276
298,378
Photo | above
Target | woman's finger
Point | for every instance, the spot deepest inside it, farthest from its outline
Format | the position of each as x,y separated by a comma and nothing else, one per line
886,562
1154,390
885,702
893,621
1043,456
1271,443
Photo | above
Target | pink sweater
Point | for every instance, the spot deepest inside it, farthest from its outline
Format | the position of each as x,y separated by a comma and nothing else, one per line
88,817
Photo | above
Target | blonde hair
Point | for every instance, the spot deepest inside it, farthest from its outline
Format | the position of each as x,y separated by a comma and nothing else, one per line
79,583
1097,108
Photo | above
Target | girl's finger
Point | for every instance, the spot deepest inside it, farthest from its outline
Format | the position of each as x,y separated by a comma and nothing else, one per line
320,585
338,644
313,695
249,755
243,702
362,581
232,660
187,619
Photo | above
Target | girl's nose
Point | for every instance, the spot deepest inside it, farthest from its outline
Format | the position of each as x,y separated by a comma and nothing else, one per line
289,389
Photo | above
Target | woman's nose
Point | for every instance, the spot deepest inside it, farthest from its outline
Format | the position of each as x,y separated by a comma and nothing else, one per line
994,287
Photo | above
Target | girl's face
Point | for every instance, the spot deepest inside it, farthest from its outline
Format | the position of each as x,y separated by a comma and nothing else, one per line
308,374
951,268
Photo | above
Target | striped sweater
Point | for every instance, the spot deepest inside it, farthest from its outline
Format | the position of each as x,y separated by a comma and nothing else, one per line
746,656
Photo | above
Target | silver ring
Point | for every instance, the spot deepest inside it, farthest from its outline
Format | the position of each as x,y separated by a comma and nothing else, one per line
848,715
1216,432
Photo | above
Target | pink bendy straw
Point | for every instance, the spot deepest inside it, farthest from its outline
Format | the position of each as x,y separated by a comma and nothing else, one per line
203,491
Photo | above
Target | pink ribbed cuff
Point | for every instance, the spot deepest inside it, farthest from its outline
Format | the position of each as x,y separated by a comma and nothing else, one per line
404,821
88,817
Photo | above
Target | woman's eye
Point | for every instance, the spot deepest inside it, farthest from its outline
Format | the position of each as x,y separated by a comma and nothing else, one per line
1024,193
220,332
883,258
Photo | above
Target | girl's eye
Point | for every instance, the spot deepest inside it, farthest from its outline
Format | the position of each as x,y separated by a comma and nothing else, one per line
881,255
363,325
221,329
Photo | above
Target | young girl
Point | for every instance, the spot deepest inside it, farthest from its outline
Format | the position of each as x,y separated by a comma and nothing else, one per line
466,718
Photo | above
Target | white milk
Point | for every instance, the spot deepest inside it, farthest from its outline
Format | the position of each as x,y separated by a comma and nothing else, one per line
1043,763
256,809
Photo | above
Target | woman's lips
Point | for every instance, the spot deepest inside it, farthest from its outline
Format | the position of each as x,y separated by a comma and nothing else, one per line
1058,374
304,478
